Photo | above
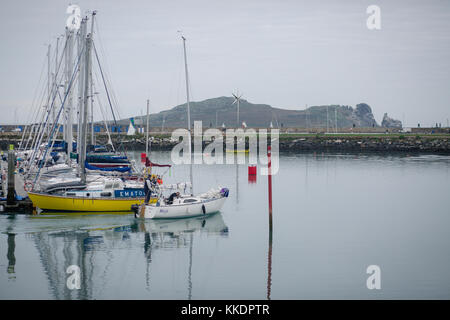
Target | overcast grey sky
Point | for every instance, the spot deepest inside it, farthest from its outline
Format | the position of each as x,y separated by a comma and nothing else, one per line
284,53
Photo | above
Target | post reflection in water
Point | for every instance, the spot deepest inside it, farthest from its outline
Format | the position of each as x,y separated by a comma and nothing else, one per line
269,262
11,257
148,255
190,268
11,244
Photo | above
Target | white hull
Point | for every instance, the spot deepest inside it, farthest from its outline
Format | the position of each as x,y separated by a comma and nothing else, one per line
213,223
182,210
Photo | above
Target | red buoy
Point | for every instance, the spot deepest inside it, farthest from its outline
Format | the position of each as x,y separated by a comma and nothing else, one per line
251,170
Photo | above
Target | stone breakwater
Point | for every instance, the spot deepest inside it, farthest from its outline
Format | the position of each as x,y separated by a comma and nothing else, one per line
343,143
368,144
426,143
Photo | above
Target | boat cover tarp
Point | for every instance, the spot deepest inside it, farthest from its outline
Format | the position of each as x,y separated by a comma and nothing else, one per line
118,169
106,159
64,186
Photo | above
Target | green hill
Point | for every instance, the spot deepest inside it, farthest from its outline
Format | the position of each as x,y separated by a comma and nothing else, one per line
260,115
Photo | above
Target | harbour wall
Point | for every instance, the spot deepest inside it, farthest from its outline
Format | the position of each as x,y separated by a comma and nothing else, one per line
423,143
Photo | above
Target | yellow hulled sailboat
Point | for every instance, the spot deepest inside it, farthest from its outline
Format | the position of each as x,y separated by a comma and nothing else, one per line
104,195
108,193
64,203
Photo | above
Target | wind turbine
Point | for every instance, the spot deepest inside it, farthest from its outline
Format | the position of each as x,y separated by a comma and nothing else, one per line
237,99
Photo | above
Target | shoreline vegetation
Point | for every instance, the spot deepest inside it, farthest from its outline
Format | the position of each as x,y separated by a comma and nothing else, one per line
436,143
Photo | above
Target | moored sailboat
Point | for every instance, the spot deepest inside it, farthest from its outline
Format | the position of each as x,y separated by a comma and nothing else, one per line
107,196
183,206
75,190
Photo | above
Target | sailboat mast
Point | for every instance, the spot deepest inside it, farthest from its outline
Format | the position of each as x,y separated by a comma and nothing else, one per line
49,73
81,43
56,79
146,145
91,86
188,113
68,132
49,86
82,154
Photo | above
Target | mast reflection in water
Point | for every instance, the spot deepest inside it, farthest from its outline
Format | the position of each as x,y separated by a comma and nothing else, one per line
326,236
113,252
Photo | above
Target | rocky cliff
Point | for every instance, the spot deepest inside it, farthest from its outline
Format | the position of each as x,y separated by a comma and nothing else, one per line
388,122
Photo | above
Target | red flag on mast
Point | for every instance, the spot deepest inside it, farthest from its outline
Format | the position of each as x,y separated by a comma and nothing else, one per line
148,163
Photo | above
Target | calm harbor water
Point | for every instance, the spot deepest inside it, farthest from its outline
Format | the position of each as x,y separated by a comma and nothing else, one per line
333,216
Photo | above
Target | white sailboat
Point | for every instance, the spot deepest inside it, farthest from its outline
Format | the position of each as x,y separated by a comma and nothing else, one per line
184,206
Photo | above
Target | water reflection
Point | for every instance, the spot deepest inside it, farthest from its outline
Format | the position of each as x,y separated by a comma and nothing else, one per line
92,243
176,233
328,217
11,257
11,244
174,228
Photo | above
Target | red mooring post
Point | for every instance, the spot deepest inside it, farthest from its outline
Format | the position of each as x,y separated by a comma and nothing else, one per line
269,254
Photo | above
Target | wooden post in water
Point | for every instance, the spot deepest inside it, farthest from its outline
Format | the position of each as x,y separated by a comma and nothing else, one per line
11,198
